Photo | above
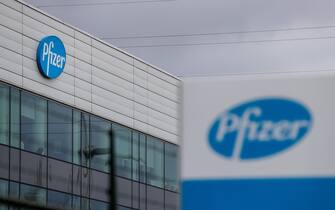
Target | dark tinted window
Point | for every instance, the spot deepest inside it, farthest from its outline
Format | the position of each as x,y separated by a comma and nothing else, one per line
122,137
81,143
60,175
155,157
97,205
33,123
4,114
59,131
85,181
76,180
171,201
99,186
14,164
15,117
155,199
33,194
59,200
171,167
100,143
4,162
33,169
123,191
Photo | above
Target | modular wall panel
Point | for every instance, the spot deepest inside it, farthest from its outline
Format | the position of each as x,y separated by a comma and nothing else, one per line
83,104
10,77
13,4
97,78
65,82
10,39
82,37
11,18
163,76
10,61
141,126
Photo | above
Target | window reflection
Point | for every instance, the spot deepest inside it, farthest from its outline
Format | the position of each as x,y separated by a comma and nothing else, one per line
97,205
122,137
33,194
33,169
59,131
99,186
100,144
155,162
59,175
33,123
4,114
171,167
15,117
59,200
4,161
81,138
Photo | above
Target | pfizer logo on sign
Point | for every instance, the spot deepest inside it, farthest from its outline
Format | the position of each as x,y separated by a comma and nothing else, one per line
259,128
51,57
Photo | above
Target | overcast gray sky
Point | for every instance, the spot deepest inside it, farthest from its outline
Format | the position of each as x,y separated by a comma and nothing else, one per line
298,35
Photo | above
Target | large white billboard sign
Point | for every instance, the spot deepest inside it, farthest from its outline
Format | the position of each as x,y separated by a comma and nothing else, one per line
263,141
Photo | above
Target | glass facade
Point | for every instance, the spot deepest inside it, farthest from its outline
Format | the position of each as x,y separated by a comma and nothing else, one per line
58,156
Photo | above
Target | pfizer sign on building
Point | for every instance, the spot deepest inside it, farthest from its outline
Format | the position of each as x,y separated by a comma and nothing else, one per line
51,57
259,142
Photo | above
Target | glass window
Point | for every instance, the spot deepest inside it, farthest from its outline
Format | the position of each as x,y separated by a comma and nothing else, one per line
33,123
4,161
81,137
4,114
33,169
171,201
143,197
155,162
76,180
60,175
85,204
14,193
14,190
122,208
123,191
59,131
155,199
136,195
3,192
15,118
59,200
99,186
85,182
33,194
143,158
3,188
77,151
136,156
122,137
14,164
97,205
76,203
171,167
100,144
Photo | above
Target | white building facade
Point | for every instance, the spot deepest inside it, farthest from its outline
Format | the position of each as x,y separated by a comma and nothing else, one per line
100,89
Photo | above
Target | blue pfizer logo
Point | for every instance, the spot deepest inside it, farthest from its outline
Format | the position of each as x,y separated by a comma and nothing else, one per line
51,57
259,128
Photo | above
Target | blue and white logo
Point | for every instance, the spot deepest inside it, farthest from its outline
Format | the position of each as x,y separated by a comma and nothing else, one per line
51,57
259,128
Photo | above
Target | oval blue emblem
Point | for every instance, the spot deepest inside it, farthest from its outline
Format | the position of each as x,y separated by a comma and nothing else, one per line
259,128
51,57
